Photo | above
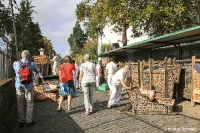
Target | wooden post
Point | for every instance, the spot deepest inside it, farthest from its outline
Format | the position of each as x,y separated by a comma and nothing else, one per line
141,74
174,61
150,73
166,80
192,98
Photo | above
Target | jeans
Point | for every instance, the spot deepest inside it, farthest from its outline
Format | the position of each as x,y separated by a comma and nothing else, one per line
88,94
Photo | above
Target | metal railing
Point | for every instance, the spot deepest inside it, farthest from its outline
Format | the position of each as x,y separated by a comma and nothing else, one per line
7,57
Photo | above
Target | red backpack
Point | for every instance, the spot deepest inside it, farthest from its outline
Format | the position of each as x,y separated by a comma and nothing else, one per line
25,72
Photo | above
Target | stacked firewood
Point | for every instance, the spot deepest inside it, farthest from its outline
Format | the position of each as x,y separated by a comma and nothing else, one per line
141,103
158,80
186,83
134,73
40,59
196,82
47,91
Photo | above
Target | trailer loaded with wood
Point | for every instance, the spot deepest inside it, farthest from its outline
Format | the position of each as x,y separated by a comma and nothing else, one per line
48,91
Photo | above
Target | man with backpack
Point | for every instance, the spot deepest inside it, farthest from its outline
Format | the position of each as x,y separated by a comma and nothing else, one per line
24,88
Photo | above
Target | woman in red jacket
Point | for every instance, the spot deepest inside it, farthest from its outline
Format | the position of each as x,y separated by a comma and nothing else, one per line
66,73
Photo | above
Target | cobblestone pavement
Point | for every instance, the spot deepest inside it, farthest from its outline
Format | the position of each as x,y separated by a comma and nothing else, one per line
104,120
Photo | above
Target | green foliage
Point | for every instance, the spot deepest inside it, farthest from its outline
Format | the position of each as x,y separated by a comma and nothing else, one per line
5,20
76,40
103,47
155,17
103,12
48,46
90,47
29,35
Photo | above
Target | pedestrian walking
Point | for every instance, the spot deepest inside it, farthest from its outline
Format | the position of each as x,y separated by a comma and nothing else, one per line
117,82
36,78
55,62
66,73
76,74
79,86
111,69
24,88
99,71
87,79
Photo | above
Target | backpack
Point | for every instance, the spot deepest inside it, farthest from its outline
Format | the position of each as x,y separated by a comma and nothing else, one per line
25,72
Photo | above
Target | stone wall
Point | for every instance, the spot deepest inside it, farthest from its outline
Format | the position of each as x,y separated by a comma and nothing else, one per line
7,100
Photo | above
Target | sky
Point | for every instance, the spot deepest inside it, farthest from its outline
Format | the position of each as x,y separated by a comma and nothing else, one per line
56,19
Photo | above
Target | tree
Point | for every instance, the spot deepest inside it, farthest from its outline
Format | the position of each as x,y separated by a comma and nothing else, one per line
48,46
160,17
5,19
29,35
90,47
5,22
156,17
104,12
76,40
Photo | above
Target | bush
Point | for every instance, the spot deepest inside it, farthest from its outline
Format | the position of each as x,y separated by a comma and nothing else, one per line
103,47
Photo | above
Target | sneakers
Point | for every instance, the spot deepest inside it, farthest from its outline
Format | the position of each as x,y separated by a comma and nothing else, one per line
87,112
109,106
30,124
117,105
91,110
21,124
58,109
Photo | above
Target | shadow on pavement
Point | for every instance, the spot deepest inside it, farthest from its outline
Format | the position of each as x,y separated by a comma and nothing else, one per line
49,120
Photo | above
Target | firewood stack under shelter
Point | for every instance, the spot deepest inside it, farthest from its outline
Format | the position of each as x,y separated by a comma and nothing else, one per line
42,64
171,79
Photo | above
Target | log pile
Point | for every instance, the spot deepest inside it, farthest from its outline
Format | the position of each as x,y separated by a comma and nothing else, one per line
158,81
185,83
140,103
47,91
196,89
134,73
40,59
161,77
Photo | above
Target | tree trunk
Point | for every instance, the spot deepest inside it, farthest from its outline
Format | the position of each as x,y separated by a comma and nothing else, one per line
124,37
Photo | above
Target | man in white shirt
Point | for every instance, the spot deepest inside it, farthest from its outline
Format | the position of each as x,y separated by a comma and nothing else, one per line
111,68
118,81
55,62
98,69
36,78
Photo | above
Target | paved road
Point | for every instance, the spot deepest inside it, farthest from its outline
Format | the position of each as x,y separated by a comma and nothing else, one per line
104,120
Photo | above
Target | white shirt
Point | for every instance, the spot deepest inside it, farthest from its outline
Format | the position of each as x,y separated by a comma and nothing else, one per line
121,74
89,75
76,68
36,78
111,67
98,66
55,60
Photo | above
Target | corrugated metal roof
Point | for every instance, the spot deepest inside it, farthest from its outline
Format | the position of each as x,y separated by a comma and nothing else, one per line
182,36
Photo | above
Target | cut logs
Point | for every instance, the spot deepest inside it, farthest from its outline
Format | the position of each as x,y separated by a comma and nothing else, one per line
47,91
40,59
